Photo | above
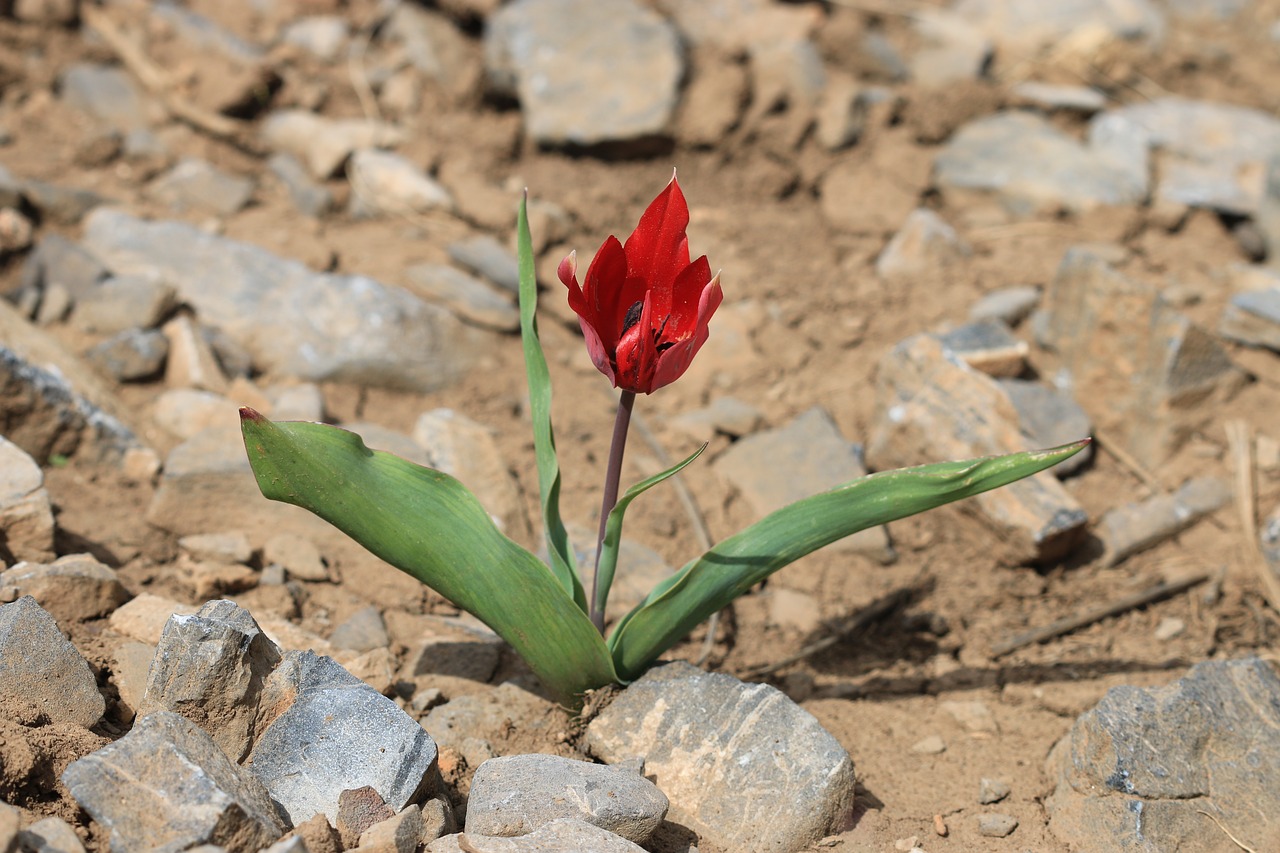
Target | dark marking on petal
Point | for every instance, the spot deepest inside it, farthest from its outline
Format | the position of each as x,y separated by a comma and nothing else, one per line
632,316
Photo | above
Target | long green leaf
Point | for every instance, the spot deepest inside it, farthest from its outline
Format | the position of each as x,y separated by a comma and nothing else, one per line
613,528
544,440
426,523
732,567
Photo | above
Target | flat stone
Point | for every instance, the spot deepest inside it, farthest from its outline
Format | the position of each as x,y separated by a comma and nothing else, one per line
953,49
466,449
74,588
167,785
725,416
130,663
559,836
50,835
516,794
107,93
122,303
932,407
26,513
1141,768
359,809
1134,527
197,185
1031,164
211,668
59,262
383,182
1028,25
362,631
356,329
777,467
61,204
1055,96
488,258
337,734
1253,318
897,186
1175,376
145,616
186,412
469,298
132,355
996,825
586,73
450,646
325,144
487,716
924,244
988,346
1049,418
400,833
743,766
297,554
40,665
929,745
992,790
322,36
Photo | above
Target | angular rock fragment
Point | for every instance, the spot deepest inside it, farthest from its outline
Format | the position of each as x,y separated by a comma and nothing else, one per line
324,144
741,763
933,407
130,356
386,182
559,836
73,588
450,646
166,785
1134,527
1141,769
1049,418
41,666
516,794
988,346
1253,316
487,716
50,835
26,514
925,243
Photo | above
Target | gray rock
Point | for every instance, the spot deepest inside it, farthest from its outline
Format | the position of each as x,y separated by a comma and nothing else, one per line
322,36
930,406
40,665
26,513
74,588
166,785
1055,96
925,243
200,32
296,402
305,756
558,836
386,182
435,48
467,450
59,262
1134,527
989,346
487,716
310,197
362,631
325,144
230,547
63,205
1210,154
743,765
450,646
953,49
1267,219
211,668
992,790
1028,24
131,355
1140,769
1175,374
516,794
186,412
1049,417
1031,164
778,467
197,185
996,825
401,833
586,73
107,93
844,111
489,259
359,809
1010,304
292,320
725,415
469,298
121,303
1253,317
50,835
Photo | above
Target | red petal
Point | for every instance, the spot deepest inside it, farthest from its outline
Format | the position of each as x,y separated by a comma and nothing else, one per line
658,249
637,354
685,297
597,350
603,288
676,360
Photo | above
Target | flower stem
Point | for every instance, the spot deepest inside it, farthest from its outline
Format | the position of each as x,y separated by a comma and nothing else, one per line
613,474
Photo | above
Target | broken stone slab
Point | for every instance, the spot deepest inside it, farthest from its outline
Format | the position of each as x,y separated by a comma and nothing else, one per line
743,765
337,733
924,244
605,73
26,513
1140,770
166,785
450,646
53,403
931,407
516,794
1010,304
1174,375
1049,418
988,346
211,668
777,467
74,588
1134,527
41,666
566,835
292,320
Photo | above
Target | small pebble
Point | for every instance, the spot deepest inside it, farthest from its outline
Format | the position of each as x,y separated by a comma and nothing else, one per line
992,791
1169,627
996,825
905,844
940,826
932,745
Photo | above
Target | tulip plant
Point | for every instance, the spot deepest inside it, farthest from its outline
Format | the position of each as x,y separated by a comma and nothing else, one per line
644,310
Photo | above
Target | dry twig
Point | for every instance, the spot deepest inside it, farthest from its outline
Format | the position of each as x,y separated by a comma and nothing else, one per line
1236,841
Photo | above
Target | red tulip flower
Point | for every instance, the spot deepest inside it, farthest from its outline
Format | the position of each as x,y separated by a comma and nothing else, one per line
644,307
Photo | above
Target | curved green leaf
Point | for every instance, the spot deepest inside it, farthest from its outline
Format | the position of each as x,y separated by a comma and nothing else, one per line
613,528
427,524
544,440
732,567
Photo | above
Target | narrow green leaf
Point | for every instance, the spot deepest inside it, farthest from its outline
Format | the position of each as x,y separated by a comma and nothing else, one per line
613,528
427,524
544,440
732,567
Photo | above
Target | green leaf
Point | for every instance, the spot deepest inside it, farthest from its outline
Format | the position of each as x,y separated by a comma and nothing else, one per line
613,528
426,523
732,567
544,440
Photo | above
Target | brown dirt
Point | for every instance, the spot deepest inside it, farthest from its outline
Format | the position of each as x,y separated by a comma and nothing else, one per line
819,320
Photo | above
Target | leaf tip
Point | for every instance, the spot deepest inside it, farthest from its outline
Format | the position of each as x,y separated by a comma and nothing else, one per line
250,414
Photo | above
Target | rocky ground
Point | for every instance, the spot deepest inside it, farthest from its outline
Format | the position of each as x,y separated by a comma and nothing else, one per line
945,230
